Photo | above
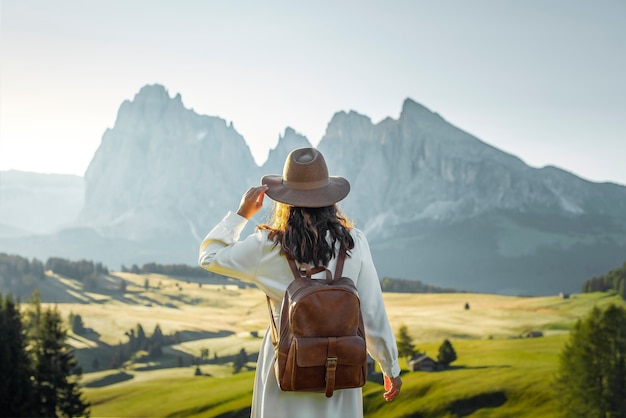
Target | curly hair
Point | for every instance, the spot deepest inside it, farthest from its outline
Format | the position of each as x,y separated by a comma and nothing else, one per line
309,235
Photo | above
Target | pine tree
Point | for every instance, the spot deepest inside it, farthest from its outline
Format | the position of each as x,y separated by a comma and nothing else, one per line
591,380
56,373
15,368
446,353
240,360
141,337
406,348
32,316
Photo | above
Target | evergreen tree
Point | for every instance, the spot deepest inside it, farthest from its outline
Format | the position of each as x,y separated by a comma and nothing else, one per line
204,354
141,340
240,360
406,348
56,373
157,335
33,315
15,368
446,353
591,380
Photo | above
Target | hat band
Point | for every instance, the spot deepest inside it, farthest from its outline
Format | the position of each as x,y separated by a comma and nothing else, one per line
309,185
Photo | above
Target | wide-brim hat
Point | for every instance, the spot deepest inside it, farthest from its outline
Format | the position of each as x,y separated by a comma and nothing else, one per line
305,181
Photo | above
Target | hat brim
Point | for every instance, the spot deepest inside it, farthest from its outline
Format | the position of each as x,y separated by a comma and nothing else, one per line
336,189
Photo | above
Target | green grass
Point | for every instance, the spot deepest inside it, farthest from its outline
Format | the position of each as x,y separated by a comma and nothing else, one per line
491,378
501,376
169,393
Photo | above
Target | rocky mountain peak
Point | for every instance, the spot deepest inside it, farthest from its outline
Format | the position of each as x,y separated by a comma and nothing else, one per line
410,108
287,142
150,106
353,128
145,165
152,93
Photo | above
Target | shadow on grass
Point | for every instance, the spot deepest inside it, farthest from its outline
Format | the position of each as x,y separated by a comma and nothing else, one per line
466,407
461,367
110,380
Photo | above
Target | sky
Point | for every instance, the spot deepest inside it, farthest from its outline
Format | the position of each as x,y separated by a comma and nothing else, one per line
541,79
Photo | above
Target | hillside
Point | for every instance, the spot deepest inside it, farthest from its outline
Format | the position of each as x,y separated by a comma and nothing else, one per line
492,378
192,305
507,374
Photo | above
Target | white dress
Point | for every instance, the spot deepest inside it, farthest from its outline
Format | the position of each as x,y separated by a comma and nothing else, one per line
257,260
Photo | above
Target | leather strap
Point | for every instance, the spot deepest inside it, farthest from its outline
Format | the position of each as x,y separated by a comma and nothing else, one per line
274,330
331,366
340,260
306,269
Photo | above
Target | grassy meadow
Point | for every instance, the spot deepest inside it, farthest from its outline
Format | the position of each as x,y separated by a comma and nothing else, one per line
498,373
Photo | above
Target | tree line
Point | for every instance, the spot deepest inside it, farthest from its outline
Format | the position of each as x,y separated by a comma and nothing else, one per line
39,375
389,284
614,280
142,347
167,270
18,275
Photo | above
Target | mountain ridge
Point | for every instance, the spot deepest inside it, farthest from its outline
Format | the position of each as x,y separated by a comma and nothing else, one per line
423,190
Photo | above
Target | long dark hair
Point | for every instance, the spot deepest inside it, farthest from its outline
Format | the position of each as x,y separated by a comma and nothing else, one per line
309,235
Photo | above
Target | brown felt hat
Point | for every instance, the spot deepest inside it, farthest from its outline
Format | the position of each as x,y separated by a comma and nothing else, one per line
305,181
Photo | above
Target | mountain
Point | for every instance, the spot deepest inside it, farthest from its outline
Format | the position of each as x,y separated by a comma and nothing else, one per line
437,204
163,170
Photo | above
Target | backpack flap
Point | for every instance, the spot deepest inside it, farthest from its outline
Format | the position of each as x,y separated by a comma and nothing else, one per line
311,352
325,364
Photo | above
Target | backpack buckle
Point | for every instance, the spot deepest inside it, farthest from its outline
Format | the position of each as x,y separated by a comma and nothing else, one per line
331,363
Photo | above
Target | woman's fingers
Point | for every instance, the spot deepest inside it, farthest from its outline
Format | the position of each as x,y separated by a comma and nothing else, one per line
392,387
252,201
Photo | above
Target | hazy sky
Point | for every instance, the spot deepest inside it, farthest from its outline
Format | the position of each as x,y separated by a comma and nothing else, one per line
542,79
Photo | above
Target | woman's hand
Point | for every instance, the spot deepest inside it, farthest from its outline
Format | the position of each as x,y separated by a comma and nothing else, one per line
392,387
252,201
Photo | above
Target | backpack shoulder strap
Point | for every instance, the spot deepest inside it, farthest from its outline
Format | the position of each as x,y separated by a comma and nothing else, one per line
307,270
274,329
340,260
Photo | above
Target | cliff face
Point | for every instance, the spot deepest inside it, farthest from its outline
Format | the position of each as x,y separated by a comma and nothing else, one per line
164,170
420,167
442,206
436,203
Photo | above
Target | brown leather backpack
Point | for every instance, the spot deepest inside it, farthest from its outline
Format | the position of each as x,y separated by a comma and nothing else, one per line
321,344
